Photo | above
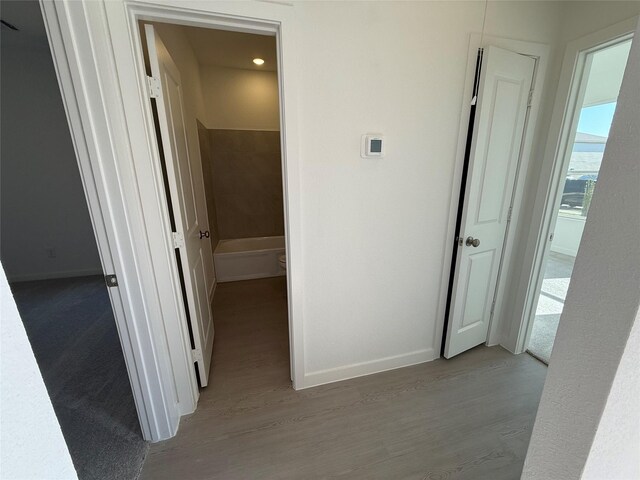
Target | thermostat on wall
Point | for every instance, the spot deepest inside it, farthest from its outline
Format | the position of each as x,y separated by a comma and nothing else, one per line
372,146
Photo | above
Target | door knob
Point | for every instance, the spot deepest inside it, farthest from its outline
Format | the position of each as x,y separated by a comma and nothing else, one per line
472,242
204,234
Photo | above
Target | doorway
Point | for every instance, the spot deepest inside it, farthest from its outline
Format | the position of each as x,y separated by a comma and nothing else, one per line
504,104
596,95
216,107
50,255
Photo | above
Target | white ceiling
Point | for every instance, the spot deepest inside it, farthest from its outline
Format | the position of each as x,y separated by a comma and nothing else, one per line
605,76
232,49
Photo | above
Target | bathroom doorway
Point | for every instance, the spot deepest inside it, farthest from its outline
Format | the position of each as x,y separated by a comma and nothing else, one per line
215,98
590,121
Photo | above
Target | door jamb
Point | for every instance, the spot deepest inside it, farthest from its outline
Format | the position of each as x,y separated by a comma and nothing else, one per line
540,52
555,165
104,93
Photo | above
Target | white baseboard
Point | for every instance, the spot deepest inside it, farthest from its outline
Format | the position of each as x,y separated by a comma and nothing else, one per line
346,372
28,277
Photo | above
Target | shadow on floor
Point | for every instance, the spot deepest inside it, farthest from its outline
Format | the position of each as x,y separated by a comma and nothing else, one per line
73,334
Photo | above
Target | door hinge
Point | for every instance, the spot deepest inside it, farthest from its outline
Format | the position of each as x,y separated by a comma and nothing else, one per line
111,280
509,214
493,306
551,237
154,87
530,99
178,239
196,355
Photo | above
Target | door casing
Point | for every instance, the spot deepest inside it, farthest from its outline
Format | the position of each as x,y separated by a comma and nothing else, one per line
97,53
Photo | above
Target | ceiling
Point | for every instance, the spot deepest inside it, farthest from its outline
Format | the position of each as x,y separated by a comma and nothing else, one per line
605,75
232,49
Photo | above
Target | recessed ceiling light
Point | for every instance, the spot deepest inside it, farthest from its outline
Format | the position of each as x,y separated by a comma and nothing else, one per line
258,61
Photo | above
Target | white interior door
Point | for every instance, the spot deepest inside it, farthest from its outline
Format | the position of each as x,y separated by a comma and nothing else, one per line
186,190
503,94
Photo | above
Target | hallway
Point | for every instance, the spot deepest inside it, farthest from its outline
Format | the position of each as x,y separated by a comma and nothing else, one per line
469,417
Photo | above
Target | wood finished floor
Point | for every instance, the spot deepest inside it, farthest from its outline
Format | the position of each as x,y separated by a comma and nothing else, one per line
465,418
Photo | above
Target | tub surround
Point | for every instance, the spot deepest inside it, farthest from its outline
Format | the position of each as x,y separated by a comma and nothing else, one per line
247,183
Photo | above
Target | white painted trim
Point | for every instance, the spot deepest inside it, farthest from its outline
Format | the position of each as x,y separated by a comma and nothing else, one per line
29,277
104,94
548,194
73,55
541,52
361,369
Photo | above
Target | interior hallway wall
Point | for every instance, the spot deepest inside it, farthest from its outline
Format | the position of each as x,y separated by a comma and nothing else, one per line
376,227
45,228
28,423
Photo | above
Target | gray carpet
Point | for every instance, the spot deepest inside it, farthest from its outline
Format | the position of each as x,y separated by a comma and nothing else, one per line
555,284
73,334
543,336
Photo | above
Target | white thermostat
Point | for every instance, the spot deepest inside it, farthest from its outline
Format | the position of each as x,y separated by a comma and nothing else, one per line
372,146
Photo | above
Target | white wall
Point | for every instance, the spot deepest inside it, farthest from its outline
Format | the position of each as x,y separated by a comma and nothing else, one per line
240,99
583,17
587,423
616,446
41,197
31,442
374,230
567,234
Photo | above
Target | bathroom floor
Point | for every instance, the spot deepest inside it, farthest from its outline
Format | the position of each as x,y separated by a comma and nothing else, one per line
469,417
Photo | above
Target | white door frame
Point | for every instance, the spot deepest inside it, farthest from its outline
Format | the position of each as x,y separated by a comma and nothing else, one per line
556,164
540,52
98,58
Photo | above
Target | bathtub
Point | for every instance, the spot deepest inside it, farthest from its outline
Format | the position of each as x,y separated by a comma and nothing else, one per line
246,258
